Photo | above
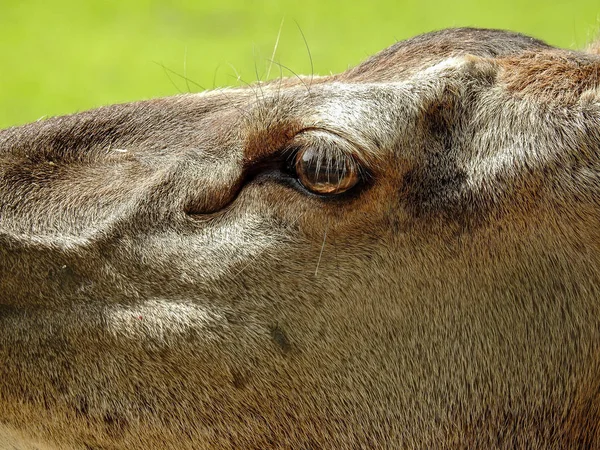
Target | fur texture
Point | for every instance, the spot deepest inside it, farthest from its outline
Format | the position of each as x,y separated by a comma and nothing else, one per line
166,282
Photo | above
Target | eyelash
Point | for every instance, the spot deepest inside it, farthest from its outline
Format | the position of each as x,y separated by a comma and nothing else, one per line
336,174
291,154
282,169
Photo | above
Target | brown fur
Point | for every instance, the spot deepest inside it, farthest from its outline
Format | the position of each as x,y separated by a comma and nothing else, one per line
552,75
167,283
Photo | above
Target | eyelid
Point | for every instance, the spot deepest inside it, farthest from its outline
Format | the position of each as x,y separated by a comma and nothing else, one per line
325,140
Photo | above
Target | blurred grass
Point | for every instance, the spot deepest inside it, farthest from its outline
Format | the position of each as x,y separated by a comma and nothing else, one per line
61,56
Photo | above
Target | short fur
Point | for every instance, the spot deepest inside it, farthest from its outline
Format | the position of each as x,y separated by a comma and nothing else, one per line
165,284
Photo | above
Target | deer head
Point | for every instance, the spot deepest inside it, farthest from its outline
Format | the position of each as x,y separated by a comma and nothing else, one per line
406,254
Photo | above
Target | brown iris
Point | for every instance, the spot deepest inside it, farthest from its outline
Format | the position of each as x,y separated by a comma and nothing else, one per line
326,172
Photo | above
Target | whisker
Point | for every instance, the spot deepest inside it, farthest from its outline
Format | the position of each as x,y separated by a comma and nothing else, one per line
258,80
169,77
337,260
322,248
166,69
294,73
312,67
252,261
275,48
241,81
279,84
187,82
214,85
240,109
249,86
239,77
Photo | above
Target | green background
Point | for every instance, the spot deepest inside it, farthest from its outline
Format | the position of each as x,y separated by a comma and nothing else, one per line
64,56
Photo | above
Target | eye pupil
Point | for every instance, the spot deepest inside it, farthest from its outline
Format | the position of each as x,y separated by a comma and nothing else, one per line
326,174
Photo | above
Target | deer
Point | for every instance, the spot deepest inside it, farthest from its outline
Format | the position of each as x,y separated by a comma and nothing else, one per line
402,255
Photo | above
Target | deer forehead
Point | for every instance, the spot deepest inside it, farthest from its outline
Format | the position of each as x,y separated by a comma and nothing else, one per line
371,115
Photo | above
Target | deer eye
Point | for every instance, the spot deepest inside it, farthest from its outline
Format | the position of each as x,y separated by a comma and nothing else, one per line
326,172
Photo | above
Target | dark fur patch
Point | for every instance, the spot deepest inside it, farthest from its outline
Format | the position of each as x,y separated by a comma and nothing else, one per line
115,423
238,379
280,338
434,186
